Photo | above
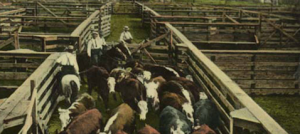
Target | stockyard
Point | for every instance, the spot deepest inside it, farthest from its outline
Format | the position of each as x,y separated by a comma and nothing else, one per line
190,67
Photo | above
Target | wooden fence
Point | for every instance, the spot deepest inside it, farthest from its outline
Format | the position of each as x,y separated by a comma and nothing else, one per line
97,21
239,113
34,101
259,72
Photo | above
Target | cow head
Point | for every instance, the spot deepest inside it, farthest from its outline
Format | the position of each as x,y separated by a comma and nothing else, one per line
188,110
151,89
143,107
111,83
147,75
64,117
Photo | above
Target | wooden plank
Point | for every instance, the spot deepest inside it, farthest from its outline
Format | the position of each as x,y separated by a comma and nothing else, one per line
224,42
18,113
2,100
186,24
144,45
282,31
8,87
6,42
49,11
13,11
233,20
14,75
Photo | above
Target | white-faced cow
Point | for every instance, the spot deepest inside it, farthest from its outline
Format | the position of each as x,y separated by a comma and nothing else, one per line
86,123
173,121
121,119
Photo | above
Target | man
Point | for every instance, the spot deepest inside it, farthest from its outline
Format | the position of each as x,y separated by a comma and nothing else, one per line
68,62
126,36
94,48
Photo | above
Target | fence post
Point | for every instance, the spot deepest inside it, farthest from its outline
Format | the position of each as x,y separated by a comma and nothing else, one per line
34,110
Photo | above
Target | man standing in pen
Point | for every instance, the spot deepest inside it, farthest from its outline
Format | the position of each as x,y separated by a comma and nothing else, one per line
126,35
95,47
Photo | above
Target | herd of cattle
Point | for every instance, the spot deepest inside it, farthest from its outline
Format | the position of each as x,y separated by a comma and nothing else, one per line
183,107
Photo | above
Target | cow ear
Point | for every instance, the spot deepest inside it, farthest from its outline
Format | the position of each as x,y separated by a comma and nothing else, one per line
128,69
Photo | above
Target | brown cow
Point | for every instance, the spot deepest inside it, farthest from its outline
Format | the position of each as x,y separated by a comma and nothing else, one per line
178,102
203,129
97,79
86,123
121,119
134,94
189,85
148,130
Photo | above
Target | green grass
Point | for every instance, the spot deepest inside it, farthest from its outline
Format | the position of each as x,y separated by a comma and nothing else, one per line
284,109
138,32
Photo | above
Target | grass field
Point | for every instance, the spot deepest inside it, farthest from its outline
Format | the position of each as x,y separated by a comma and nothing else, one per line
284,109
138,32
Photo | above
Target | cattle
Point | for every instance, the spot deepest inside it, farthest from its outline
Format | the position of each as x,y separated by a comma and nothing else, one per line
83,103
86,123
83,61
173,121
206,112
203,129
97,79
178,102
134,94
121,119
111,58
189,85
151,91
123,47
133,64
70,86
147,130
157,70
175,87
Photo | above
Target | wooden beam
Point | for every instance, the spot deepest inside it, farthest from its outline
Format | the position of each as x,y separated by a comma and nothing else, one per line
14,75
6,42
282,31
225,42
209,24
8,87
144,45
13,11
233,20
49,11
43,17
149,55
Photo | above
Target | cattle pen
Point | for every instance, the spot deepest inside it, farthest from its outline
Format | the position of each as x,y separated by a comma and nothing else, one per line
230,52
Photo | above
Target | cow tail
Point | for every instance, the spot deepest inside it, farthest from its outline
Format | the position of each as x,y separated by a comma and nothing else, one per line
75,90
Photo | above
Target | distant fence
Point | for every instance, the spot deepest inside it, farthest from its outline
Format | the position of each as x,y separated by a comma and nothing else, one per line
97,21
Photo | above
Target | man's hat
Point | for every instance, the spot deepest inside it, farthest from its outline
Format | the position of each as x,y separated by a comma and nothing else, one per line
126,27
